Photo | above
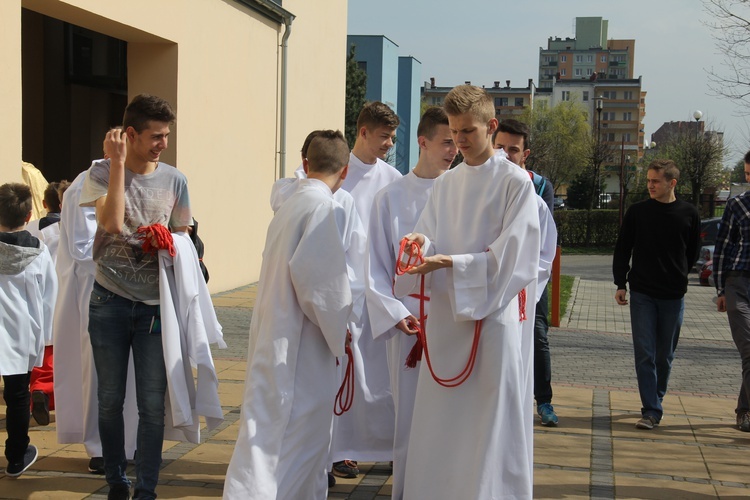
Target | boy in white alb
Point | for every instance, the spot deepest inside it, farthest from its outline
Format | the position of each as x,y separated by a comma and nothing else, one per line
394,213
28,287
366,431
480,234
297,331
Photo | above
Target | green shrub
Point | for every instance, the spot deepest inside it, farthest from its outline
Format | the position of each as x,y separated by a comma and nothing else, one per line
572,227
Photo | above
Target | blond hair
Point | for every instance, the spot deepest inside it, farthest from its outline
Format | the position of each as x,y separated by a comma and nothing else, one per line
469,99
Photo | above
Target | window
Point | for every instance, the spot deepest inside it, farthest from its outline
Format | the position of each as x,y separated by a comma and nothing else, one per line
589,58
519,101
563,58
503,101
562,72
610,137
603,58
585,96
579,58
566,95
578,71
589,71
497,102
627,116
608,115
628,95
610,94
626,137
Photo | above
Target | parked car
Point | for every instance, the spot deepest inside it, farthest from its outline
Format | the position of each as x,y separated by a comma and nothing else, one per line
706,254
705,277
558,203
709,230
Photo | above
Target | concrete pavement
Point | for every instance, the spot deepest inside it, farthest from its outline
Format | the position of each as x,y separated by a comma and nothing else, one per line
596,452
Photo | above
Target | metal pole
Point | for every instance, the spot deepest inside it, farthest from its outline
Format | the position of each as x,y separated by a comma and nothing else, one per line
622,168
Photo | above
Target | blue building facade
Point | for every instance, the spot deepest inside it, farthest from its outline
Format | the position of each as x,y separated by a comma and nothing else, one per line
396,82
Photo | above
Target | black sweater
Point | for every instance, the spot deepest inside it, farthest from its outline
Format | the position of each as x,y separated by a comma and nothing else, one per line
663,240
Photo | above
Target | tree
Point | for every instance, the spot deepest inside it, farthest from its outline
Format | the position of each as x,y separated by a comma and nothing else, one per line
699,157
731,27
558,138
356,88
738,172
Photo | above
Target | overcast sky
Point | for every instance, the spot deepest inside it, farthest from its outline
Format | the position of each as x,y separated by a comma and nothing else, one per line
483,41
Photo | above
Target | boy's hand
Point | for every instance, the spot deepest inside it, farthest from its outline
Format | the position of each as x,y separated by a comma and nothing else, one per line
721,304
408,324
620,297
115,146
417,238
432,263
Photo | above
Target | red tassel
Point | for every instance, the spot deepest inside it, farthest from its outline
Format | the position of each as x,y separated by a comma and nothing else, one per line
415,354
522,305
156,237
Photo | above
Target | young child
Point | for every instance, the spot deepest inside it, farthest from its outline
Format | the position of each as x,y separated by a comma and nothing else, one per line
297,331
480,234
42,378
28,289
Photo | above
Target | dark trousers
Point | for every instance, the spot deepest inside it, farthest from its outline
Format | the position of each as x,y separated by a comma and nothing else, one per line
16,395
542,364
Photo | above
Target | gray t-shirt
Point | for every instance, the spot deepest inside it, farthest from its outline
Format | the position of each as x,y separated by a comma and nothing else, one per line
160,197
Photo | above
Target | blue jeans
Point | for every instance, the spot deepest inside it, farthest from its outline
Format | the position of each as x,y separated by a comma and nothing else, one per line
542,363
117,326
656,329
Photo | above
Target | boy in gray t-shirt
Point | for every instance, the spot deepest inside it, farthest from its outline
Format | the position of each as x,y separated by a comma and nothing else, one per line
130,190
122,267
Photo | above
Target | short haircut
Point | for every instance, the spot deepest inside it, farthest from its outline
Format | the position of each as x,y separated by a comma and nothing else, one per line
306,145
52,198
376,114
747,157
63,186
432,117
328,152
15,204
469,99
513,127
145,108
668,167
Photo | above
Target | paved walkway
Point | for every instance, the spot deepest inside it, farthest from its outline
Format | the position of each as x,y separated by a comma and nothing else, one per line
595,452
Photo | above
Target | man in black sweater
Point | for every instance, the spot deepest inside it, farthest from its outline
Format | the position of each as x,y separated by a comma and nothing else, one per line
662,235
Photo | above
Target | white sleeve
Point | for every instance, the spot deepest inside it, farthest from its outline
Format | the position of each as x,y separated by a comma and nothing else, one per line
548,246
385,310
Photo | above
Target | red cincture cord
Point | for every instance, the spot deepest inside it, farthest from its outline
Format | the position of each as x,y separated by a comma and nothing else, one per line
345,396
156,237
415,259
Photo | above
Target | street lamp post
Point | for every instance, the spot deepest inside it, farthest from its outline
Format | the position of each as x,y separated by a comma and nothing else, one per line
597,156
697,114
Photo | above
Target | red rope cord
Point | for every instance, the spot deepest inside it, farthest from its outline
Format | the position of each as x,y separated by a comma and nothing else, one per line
345,395
156,237
415,259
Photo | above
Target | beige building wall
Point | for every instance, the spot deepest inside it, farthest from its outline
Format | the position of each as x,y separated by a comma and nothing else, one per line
218,62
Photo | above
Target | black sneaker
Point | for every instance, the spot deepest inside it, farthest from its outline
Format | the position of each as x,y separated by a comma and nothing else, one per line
648,422
96,465
743,421
40,407
17,468
331,480
346,468
118,492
